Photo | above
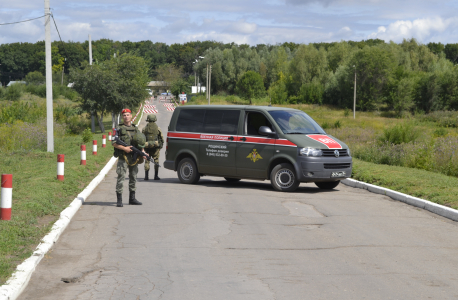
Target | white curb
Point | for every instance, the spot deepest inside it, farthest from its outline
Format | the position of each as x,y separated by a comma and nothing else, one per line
18,281
438,209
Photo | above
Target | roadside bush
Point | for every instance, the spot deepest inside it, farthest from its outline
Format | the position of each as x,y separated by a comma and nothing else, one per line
14,92
22,136
35,77
399,134
86,136
16,111
76,124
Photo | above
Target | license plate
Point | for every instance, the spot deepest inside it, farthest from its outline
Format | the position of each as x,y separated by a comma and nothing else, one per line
338,174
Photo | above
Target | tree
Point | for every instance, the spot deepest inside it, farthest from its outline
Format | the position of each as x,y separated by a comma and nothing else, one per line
250,86
35,77
112,85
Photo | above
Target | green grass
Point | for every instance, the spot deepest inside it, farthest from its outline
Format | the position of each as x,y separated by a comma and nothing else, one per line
38,197
437,188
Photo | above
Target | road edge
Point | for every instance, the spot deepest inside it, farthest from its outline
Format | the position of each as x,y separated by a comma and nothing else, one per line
20,278
435,208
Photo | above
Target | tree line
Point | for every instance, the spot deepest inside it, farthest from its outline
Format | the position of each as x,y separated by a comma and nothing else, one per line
402,77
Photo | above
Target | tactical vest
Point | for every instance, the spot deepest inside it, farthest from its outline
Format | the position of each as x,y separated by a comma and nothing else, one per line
151,132
125,133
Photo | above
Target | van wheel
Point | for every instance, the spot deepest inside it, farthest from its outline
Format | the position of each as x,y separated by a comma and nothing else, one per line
232,179
328,185
187,171
283,178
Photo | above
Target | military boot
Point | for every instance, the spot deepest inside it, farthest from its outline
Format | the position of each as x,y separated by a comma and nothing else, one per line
132,200
119,203
156,171
146,175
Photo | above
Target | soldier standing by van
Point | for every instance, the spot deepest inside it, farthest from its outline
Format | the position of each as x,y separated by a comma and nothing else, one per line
131,135
154,143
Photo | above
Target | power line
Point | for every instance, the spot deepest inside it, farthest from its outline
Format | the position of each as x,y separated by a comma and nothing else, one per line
63,45
22,21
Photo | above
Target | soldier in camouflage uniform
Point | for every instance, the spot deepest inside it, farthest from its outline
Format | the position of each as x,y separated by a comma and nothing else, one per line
154,143
131,135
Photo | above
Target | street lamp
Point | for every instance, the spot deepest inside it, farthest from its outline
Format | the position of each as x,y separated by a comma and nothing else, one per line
354,96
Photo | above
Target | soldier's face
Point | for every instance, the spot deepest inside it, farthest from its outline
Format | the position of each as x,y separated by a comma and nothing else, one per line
127,117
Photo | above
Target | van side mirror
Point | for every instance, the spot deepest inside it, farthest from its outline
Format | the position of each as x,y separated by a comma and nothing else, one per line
264,130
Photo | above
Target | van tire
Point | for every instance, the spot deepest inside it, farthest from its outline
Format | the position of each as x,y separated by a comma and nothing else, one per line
187,171
283,178
328,185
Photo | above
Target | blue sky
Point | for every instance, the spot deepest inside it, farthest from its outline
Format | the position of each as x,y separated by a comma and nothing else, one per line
239,21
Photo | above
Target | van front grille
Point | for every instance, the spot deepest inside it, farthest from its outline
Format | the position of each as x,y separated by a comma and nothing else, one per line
337,166
329,152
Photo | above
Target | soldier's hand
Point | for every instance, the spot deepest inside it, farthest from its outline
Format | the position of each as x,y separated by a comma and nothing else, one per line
128,149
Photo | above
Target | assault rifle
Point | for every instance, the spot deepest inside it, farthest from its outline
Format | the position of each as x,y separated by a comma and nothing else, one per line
136,151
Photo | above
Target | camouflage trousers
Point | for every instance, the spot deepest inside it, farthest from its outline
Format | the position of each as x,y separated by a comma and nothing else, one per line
121,170
154,153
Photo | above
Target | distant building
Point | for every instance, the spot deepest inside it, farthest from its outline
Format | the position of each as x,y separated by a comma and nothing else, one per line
159,87
13,82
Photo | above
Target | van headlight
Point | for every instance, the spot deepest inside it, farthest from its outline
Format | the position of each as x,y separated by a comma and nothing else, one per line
348,151
310,152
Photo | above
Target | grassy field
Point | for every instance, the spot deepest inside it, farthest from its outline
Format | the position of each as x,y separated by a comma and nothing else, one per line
416,155
38,197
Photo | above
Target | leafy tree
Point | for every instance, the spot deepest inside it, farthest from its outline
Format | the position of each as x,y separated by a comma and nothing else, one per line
168,73
35,77
250,86
374,68
112,85
277,91
451,52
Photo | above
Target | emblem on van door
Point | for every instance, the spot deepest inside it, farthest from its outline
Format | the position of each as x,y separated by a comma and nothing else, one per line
254,156
336,153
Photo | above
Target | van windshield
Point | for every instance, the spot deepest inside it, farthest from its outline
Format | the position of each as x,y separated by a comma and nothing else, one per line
295,122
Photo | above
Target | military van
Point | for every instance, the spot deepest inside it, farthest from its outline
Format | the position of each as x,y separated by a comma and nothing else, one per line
254,142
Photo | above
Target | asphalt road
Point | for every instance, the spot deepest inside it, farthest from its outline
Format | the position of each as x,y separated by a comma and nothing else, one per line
217,240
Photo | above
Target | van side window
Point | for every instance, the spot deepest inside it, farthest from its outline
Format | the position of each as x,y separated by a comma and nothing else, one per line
221,121
191,120
254,121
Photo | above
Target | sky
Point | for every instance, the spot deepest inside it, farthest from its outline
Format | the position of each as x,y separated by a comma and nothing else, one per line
239,21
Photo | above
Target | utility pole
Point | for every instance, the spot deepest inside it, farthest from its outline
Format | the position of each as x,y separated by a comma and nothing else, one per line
90,63
63,68
354,97
206,86
49,103
209,84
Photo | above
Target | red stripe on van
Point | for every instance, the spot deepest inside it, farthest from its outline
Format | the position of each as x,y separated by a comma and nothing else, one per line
184,135
326,140
218,137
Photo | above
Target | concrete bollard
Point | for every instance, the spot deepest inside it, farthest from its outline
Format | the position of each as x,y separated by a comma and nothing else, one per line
109,136
104,141
83,155
7,197
60,167
94,147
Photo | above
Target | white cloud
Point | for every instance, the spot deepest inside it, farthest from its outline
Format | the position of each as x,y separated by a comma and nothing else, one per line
242,27
421,29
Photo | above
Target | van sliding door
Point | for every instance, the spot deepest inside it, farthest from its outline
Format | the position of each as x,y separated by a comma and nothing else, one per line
218,142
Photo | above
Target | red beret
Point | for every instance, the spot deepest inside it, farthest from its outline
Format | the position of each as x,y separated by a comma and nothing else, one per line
125,110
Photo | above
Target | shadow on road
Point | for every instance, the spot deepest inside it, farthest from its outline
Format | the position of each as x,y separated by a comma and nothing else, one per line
308,188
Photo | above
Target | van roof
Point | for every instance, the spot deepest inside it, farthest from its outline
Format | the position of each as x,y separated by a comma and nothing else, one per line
264,108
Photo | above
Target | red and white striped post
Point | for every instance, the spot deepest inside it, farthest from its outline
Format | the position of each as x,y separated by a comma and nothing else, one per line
83,155
7,197
94,147
109,136
104,141
60,167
